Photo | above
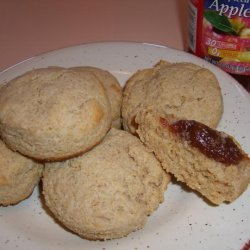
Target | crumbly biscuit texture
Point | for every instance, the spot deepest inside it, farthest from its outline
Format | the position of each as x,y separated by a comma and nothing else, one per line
54,113
182,89
18,176
113,89
107,192
216,181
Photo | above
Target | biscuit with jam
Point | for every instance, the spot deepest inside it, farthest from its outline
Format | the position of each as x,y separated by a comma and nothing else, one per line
208,161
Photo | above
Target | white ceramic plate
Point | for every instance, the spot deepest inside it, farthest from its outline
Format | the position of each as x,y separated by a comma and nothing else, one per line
184,220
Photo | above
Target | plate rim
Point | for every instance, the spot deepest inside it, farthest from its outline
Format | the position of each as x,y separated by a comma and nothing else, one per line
130,43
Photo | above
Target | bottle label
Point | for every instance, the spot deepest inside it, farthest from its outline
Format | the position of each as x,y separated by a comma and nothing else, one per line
222,33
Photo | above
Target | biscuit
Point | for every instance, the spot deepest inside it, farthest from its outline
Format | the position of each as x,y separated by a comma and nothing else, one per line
107,192
113,89
208,161
53,113
182,89
18,176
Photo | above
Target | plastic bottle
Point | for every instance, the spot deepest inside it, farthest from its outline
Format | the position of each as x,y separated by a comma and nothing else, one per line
219,32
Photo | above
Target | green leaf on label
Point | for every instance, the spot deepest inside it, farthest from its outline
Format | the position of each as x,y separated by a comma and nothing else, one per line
219,22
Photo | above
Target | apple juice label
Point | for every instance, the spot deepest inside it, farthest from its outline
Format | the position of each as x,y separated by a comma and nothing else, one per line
219,32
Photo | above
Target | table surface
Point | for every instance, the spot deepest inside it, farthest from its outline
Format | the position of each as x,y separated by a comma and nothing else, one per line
29,28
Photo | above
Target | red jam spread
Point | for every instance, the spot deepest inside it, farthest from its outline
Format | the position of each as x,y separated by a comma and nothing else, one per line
210,142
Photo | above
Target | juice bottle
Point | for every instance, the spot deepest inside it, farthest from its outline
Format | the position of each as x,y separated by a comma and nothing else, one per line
219,32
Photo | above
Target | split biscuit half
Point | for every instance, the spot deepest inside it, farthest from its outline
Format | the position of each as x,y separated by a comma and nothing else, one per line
206,160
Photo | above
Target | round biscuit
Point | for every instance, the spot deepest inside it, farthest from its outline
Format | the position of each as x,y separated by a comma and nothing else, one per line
107,192
18,176
113,89
53,113
183,89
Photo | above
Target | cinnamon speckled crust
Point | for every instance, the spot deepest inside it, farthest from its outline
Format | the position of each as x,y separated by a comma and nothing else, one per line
113,89
183,89
18,176
214,180
107,192
54,113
